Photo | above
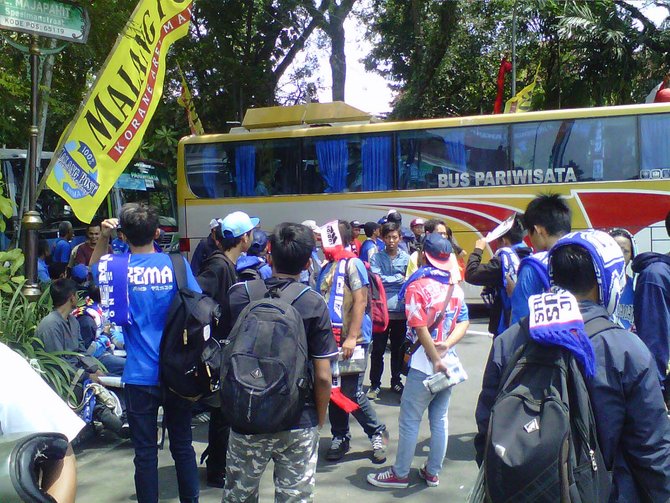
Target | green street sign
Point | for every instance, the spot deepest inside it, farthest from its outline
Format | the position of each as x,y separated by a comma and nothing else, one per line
46,18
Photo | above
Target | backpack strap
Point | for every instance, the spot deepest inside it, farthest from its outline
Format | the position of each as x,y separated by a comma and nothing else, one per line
293,291
179,269
597,325
256,289
524,327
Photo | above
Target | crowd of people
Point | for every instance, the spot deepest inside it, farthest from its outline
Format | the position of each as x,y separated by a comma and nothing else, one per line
419,270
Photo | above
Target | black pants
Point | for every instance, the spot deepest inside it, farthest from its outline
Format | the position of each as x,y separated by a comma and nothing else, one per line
219,431
396,332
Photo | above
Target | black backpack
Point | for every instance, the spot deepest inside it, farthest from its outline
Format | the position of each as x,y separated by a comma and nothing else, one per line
265,374
250,273
189,356
541,444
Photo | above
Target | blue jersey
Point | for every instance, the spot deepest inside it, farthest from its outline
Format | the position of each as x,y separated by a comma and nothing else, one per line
151,288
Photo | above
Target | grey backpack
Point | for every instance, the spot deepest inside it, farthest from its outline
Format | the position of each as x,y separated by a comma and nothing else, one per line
265,374
542,444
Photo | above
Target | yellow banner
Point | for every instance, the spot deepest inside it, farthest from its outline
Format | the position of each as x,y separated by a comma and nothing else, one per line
108,129
186,101
522,101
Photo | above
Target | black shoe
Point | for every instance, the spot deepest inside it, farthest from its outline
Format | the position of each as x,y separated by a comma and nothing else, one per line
338,448
398,388
216,479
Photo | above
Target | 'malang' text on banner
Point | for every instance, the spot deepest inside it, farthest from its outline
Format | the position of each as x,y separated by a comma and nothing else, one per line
108,129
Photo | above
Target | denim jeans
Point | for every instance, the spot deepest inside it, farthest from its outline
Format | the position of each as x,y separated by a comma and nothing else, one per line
396,332
142,404
352,387
114,364
415,400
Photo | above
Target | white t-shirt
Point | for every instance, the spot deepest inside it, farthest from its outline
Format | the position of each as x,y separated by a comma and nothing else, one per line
28,404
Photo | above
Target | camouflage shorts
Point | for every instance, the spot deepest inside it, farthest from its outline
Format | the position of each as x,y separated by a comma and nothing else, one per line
294,454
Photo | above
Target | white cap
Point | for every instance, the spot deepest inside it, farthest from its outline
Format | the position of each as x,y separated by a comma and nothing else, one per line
312,225
213,224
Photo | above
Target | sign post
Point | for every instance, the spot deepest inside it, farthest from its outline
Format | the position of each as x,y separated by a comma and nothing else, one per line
52,19
47,18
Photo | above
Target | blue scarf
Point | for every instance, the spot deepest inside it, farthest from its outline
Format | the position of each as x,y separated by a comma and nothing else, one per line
426,271
555,320
336,297
113,280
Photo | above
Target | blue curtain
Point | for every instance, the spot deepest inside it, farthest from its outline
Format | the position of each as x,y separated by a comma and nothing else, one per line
210,169
376,157
454,143
333,157
245,170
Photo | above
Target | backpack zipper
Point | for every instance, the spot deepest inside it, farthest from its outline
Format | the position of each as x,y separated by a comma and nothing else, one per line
594,465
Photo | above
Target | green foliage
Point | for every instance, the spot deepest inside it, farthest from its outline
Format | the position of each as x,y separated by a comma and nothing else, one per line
443,57
19,318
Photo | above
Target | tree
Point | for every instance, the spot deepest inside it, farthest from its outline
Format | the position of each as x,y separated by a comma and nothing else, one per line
331,20
442,57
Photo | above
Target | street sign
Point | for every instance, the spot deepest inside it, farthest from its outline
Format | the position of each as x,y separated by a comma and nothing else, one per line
47,18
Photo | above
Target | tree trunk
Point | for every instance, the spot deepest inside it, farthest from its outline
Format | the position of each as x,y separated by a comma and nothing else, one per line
338,62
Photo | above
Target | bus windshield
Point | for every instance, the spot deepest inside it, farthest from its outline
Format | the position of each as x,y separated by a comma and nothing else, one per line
148,183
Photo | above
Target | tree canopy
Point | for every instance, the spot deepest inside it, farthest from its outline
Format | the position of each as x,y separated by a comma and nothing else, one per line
441,58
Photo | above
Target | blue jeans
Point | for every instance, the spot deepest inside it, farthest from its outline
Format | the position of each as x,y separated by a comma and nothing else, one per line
114,364
352,387
142,404
415,400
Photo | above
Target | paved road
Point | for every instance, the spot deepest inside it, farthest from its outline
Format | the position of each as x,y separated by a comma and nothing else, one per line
106,467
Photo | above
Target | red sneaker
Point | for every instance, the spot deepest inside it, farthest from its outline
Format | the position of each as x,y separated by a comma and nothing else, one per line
388,478
431,480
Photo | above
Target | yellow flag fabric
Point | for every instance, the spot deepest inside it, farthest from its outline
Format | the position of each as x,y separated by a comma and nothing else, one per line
186,101
109,126
522,101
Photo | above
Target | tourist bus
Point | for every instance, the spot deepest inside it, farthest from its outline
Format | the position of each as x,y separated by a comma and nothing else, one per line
142,181
328,161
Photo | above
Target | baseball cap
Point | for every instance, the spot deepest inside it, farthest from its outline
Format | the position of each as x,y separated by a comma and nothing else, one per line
79,273
259,240
213,224
237,224
356,224
417,221
312,225
438,251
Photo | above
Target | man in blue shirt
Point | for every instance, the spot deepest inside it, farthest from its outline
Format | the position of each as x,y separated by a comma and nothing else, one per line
633,427
391,265
62,249
547,219
369,246
149,288
42,256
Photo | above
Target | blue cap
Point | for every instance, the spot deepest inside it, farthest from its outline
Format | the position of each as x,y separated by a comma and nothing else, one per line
259,241
438,251
79,273
237,224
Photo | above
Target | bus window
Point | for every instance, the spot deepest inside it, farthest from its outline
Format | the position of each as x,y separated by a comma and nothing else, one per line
655,146
600,149
425,157
331,165
276,168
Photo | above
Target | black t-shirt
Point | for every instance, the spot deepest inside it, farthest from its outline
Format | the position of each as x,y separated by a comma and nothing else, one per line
320,341
217,275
